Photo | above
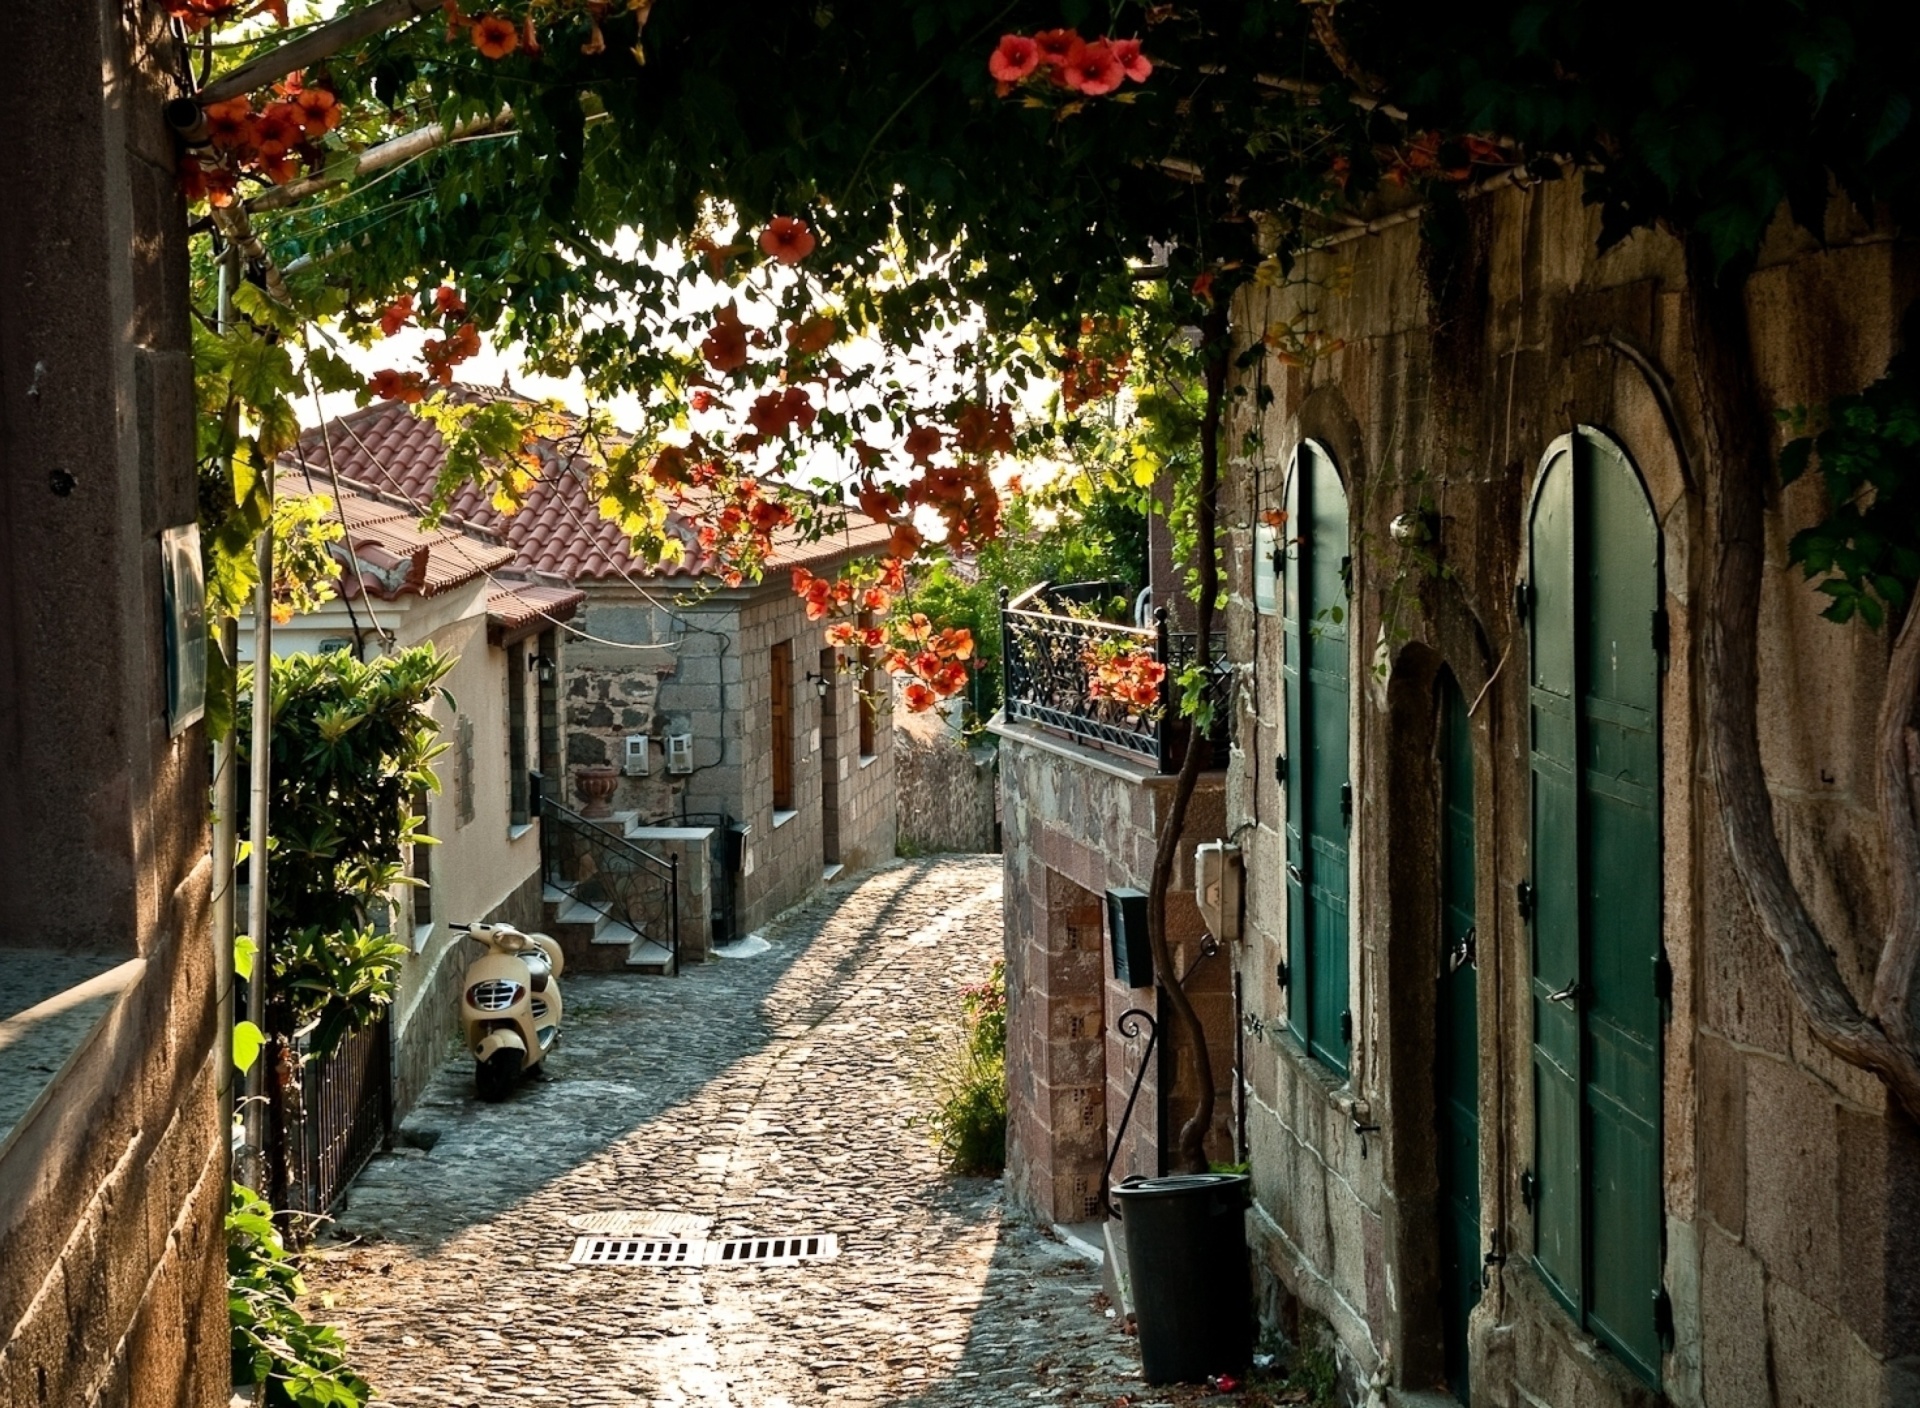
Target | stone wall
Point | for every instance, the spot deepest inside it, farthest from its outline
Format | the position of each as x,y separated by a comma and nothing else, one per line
1790,1201
786,857
113,1186
1077,823
949,792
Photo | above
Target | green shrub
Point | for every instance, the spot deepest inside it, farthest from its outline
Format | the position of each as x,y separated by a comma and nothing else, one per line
969,1121
299,1364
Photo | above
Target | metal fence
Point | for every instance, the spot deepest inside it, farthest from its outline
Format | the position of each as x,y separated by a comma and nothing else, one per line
1045,656
343,1112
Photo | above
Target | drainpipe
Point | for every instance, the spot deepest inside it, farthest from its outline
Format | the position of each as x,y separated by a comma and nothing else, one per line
261,764
226,802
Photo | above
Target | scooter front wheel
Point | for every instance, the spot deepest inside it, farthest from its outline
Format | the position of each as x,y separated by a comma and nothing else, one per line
493,1078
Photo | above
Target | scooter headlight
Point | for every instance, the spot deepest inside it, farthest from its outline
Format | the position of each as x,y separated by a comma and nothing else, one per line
494,995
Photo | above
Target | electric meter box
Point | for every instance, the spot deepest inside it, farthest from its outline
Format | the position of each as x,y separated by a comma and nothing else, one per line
636,765
680,753
1216,887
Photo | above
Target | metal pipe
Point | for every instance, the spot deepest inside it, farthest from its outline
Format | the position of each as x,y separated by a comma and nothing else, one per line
258,784
226,802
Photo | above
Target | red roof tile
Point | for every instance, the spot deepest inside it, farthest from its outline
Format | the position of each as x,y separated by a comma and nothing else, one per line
558,530
513,605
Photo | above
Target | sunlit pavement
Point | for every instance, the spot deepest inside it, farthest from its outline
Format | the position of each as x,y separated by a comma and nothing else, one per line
768,1095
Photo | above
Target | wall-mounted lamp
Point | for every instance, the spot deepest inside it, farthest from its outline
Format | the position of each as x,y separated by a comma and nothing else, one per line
541,665
1414,528
819,684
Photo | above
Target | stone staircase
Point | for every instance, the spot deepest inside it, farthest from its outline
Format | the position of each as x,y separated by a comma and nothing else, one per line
595,942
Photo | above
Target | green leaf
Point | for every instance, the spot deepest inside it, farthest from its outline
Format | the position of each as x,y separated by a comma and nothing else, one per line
244,950
247,1041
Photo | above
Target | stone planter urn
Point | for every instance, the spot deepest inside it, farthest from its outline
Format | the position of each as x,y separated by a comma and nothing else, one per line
595,783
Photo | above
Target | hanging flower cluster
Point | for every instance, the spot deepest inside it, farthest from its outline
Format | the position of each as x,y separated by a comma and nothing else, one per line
271,142
447,312
1095,367
1130,678
1060,58
496,35
931,659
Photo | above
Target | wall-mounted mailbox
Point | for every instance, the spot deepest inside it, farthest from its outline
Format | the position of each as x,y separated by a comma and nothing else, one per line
1216,887
637,755
1266,568
1127,930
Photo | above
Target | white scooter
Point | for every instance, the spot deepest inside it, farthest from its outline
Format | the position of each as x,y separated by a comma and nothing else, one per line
510,1005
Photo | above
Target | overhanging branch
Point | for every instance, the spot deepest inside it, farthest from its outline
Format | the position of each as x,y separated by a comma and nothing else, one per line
388,154
313,46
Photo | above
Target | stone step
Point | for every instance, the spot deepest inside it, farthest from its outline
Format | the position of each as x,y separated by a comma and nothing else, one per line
832,873
612,931
646,956
580,912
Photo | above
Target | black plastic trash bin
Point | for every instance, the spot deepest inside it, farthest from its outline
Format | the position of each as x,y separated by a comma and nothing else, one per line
1187,1259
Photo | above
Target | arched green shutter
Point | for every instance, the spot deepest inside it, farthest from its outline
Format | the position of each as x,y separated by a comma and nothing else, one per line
1555,906
1293,639
1621,837
1319,800
1594,712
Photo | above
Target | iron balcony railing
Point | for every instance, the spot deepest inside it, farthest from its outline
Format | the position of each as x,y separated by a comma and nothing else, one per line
614,876
1045,664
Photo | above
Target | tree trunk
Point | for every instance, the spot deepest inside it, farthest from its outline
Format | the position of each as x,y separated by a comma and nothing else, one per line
1190,1155
1737,467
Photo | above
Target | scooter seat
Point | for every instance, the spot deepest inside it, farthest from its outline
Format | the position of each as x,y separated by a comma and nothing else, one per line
539,968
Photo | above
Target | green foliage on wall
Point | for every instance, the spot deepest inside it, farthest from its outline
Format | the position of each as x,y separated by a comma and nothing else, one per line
1865,554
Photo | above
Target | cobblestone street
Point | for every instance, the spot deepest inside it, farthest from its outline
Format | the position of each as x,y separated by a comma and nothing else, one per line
771,1094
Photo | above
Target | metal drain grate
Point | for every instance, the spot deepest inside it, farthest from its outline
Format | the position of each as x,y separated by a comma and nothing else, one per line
692,1251
635,1251
772,1251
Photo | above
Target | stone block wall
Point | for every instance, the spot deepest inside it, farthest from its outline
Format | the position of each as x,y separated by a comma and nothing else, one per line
113,1187
1076,824
1789,1199
949,792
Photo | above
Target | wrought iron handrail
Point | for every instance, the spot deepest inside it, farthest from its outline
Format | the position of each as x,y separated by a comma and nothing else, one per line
609,873
1044,660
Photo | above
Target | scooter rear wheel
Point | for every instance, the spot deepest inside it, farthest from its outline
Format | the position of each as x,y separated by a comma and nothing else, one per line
494,1078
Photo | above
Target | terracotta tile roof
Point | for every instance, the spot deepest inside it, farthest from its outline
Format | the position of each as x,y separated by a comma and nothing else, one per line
512,606
384,541
558,531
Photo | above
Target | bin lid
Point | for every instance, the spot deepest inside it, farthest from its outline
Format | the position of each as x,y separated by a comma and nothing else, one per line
1178,1185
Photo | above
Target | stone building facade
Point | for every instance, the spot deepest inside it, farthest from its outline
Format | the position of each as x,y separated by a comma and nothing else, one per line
114,1069
667,663
1531,1111
667,675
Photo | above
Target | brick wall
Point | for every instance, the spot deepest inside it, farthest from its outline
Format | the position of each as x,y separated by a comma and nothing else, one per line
1076,824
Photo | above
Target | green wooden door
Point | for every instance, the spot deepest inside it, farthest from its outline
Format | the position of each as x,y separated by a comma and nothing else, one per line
1596,893
1319,800
1457,1039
